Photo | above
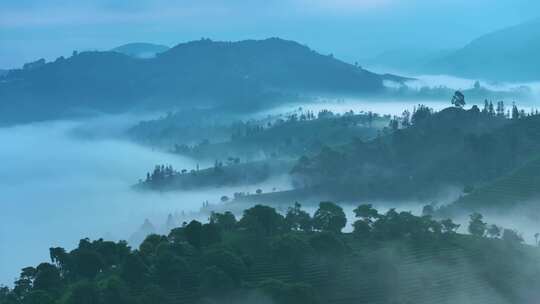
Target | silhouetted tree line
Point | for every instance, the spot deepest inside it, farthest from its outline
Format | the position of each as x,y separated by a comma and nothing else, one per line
212,260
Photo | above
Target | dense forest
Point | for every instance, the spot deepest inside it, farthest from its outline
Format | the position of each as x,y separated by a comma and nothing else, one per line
265,256
425,151
248,152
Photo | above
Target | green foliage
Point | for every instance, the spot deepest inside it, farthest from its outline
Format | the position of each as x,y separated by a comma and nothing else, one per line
290,248
328,245
329,217
236,268
225,221
193,233
458,100
114,291
170,271
227,261
214,282
298,219
262,220
134,270
83,292
47,278
477,226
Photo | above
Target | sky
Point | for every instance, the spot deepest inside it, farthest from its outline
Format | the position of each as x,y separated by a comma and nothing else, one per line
350,29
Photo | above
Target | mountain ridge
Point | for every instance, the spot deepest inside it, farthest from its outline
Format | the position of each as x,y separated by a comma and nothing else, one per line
243,75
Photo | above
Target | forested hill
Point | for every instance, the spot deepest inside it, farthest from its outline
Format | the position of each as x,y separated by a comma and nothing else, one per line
245,74
296,258
431,151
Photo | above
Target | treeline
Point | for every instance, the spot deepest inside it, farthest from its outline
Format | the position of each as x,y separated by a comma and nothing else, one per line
424,151
215,262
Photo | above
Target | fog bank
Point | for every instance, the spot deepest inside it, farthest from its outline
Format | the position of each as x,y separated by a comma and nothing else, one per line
63,181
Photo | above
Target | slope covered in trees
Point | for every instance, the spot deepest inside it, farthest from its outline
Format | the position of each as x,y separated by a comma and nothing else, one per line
394,257
240,75
516,189
248,152
454,147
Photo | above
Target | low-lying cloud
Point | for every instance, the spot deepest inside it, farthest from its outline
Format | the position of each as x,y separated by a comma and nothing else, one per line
63,181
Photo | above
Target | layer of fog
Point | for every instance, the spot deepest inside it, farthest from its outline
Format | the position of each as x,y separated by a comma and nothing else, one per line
63,181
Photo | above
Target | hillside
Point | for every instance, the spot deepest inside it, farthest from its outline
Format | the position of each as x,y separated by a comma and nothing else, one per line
509,54
517,189
237,75
267,257
141,50
451,148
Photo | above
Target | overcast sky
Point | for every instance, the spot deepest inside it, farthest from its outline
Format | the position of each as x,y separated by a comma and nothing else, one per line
350,29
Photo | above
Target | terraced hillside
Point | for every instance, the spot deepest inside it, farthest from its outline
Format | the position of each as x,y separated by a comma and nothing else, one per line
269,258
397,272
521,187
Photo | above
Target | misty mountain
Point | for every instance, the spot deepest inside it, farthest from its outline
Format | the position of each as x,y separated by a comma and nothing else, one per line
242,75
141,50
451,148
510,54
3,72
406,60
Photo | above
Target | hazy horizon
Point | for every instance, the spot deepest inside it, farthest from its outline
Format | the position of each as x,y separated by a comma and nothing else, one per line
351,30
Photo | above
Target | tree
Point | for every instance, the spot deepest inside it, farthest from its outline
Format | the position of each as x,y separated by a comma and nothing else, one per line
262,220
292,249
25,282
210,234
298,219
366,215
169,270
88,263
458,100
47,278
477,226
225,221
227,261
83,292
193,233
38,297
421,113
60,258
150,243
134,270
448,226
327,245
515,112
214,282
329,217
114,291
